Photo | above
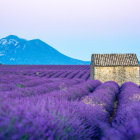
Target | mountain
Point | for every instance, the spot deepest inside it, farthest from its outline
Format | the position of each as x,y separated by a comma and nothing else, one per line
15,51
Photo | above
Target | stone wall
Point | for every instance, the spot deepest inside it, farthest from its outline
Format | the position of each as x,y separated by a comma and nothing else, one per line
120,74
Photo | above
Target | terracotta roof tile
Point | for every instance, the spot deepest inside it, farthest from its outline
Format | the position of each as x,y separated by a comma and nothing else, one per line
115,60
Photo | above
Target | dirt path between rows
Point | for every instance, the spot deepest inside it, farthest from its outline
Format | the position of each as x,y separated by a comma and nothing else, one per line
114,112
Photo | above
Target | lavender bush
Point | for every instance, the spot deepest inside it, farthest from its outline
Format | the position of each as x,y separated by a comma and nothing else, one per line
126,123
62,103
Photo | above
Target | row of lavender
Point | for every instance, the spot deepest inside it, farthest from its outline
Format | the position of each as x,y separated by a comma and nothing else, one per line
34,84
74,112
126,123
50,71
86,107
41,107
46,67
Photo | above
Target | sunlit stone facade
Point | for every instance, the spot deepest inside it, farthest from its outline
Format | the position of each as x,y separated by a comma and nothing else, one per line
111,70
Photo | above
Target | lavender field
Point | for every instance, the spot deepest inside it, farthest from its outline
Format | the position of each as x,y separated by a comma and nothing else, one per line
58,102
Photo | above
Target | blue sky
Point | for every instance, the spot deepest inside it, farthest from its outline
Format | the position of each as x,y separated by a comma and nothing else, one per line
76,28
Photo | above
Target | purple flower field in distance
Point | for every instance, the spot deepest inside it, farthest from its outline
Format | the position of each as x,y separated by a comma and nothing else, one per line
60,102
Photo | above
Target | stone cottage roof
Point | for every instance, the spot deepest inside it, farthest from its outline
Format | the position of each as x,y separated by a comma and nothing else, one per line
115,60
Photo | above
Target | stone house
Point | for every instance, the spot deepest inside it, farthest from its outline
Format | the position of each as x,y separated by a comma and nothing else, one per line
115,67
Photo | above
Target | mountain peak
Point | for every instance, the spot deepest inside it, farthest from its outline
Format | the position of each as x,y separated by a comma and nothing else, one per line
12,37
15,50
